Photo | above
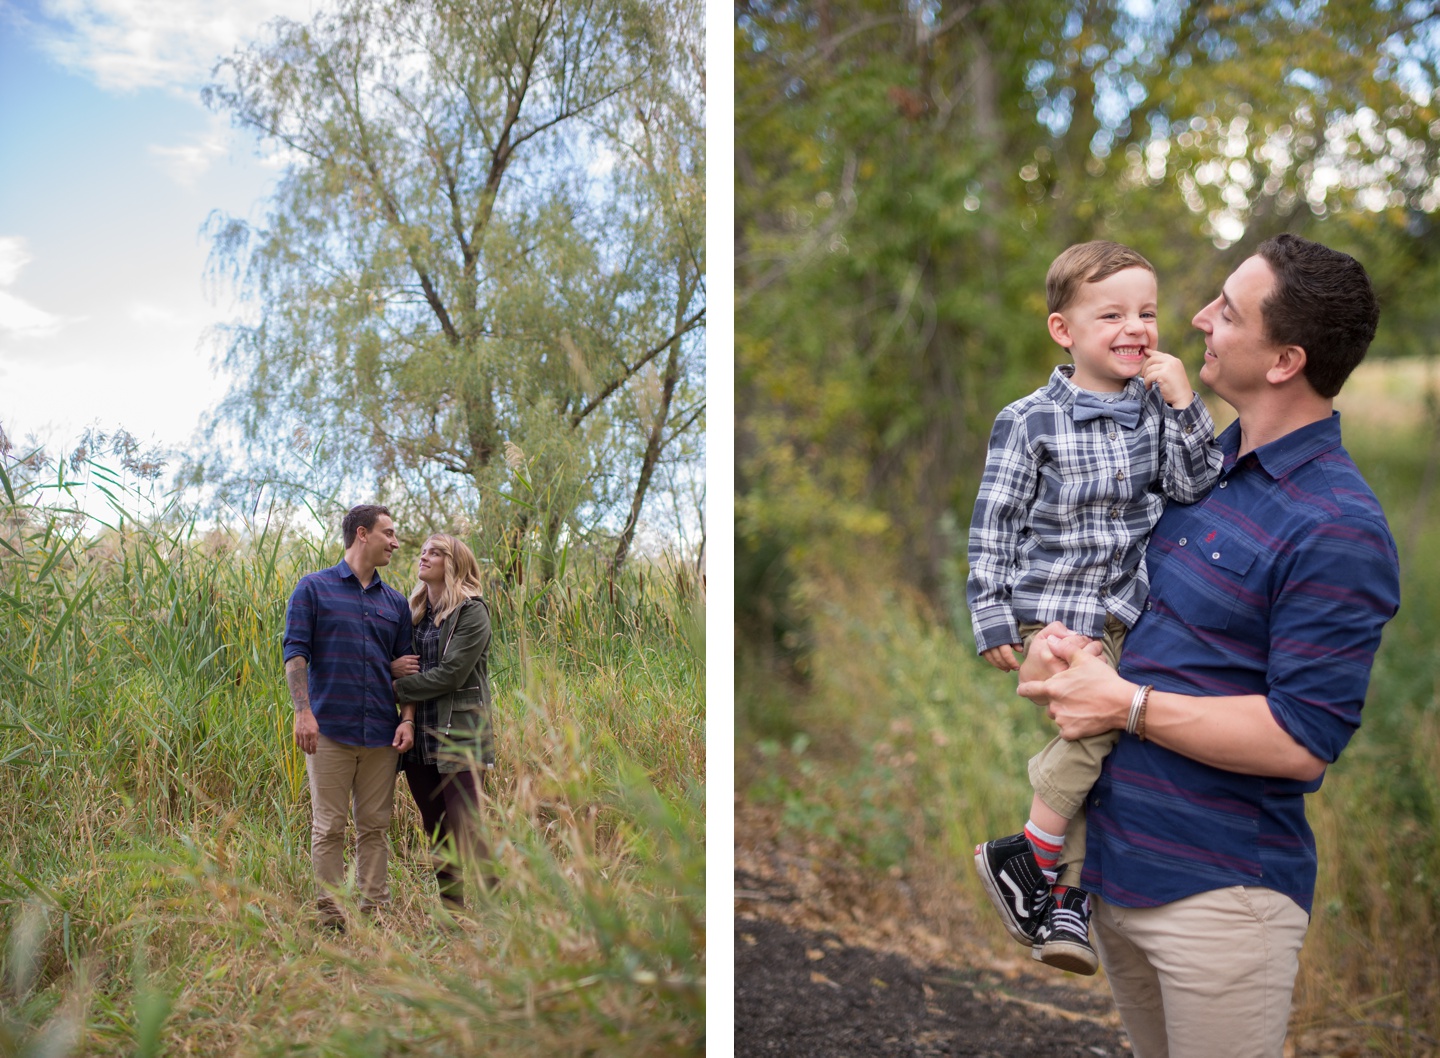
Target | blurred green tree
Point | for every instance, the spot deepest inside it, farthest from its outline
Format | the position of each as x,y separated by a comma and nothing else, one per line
479,286
906,171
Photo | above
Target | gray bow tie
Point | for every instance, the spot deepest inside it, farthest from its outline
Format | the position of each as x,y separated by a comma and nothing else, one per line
1125,412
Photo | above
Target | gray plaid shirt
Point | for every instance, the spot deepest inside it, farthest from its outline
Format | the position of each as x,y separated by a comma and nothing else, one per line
426,640
1065,508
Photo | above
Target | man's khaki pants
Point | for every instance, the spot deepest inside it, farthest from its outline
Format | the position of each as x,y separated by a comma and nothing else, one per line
1209,976
342,776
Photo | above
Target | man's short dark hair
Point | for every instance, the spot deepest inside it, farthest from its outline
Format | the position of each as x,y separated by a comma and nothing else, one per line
362,517
1322,302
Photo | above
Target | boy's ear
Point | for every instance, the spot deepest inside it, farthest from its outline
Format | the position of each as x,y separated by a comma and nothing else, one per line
1060,330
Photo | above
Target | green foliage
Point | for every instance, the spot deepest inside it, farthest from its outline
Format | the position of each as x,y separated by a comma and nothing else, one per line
155,884
904,176
486,235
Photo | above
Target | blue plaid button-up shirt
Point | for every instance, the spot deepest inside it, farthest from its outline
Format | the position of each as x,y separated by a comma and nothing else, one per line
1065,508
348,636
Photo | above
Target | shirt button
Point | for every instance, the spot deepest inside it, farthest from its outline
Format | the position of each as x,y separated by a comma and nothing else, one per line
1149,605
1114,512
1224,483
1112,435
1183,541
1215,555
1120,475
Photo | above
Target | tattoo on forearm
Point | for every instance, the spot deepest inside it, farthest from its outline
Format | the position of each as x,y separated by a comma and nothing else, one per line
297,676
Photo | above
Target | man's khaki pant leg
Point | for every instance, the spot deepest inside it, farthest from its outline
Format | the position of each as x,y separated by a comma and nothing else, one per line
342,776
1210,976
374,801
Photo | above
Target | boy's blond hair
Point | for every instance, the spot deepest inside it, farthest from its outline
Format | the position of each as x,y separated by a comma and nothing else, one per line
1087,262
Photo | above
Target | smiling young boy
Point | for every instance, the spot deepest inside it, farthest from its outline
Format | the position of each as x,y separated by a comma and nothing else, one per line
1076,475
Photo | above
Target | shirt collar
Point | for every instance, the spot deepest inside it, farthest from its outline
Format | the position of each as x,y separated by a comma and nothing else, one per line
1284,455
343,568
1063,390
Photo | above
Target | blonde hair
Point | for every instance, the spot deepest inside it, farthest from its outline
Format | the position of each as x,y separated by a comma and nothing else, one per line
1087,262
462,579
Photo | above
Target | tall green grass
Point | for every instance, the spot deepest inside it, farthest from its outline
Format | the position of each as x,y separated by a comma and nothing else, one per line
907,750
155,886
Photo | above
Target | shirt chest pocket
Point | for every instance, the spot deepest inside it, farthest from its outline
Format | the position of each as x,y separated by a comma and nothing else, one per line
1219,563
384,621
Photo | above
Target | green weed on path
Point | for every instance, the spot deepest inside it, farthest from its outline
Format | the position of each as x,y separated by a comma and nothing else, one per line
155,888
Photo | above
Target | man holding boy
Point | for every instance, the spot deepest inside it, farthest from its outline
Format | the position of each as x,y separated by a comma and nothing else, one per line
343,627
1076,475
1243,678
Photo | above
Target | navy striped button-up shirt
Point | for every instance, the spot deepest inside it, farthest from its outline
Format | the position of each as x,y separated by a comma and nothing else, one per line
1064,508
348,636
1278,583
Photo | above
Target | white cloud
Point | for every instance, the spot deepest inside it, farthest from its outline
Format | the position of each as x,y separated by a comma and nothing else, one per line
14,255
127,44
19,318
148,315
185,163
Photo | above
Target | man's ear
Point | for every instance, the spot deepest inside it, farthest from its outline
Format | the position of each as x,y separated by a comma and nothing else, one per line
1060,330
1289,362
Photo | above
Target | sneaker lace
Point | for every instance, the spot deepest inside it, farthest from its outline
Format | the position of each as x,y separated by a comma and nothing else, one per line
1068,920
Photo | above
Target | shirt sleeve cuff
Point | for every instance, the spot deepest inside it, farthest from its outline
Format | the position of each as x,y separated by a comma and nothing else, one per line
1324,735
994,627
1194,414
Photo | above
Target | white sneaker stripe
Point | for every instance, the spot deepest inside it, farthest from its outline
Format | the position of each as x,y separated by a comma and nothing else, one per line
1017,894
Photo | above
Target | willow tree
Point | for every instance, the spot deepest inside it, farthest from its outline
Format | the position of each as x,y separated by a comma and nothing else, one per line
447,312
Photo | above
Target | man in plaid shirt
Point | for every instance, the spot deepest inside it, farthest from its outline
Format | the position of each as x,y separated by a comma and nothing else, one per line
1076,476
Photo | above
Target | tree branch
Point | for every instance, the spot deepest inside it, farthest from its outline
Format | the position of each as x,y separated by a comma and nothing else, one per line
629,372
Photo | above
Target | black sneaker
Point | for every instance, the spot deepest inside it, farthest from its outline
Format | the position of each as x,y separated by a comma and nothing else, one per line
1064,939
1015,885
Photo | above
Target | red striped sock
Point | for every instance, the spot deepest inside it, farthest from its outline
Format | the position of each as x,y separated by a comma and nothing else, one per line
1046,848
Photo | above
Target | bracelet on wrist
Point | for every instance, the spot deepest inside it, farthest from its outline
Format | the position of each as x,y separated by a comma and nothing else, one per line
406,720
1135,721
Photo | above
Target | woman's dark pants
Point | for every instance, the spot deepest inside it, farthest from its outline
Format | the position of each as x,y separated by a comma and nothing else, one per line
449,811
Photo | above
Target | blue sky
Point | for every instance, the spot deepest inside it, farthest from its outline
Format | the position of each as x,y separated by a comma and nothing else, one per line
109,166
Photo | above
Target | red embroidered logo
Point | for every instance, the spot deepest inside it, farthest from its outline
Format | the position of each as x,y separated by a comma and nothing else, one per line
1211,536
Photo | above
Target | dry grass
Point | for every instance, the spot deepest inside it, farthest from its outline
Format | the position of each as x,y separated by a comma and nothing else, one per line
154,871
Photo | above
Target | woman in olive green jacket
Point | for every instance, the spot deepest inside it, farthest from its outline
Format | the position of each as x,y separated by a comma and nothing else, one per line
447,680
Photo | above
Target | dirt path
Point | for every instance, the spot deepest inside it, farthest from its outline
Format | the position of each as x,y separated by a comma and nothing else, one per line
831,962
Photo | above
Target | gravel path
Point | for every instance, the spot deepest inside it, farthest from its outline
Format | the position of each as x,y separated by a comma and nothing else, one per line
832,963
